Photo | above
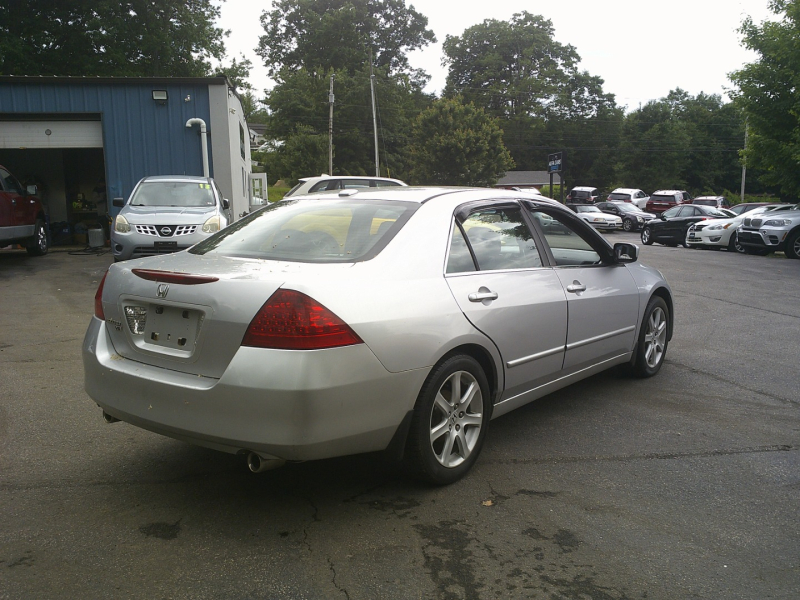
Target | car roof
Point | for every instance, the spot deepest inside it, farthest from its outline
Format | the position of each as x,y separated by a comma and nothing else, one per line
584,188
173,178
422,194
710,198
339,177
667,192
626,191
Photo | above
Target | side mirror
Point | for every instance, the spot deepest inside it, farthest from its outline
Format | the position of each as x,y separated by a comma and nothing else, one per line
32,190
662,217
626,253
118,202
226,204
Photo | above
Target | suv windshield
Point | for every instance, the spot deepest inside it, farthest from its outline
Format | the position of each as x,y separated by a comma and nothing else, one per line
173,193
312,231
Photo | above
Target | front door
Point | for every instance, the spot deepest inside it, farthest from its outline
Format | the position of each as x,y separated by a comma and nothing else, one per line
602,298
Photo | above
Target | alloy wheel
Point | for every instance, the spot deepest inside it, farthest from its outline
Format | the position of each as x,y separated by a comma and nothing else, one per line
655,337
456,419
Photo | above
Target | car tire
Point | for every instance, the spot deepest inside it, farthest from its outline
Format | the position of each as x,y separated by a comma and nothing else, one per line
647,236
628,225
447,433
39,243
792,249
734,245
651,347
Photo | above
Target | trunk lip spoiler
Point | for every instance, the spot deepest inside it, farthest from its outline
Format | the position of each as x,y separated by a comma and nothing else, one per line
173,277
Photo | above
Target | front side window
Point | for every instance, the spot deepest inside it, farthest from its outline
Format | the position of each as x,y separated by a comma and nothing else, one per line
333,230
10,182
567,246
672,212
173,193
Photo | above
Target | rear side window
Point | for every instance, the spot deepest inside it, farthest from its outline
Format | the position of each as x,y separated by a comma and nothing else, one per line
333,230
500,239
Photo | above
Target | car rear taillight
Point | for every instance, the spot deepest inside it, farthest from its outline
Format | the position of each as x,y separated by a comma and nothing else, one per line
98,299
290,320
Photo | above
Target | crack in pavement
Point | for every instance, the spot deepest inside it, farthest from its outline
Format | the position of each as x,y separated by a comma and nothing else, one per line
733,383
635,457
336,585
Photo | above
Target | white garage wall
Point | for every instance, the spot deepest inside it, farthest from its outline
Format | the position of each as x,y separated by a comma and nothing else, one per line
50,134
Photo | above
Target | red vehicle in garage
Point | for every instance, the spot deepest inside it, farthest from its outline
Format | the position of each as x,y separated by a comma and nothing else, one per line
22,219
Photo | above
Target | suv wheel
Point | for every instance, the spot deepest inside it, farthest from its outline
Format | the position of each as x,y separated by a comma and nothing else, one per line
39,243
793,245
647,236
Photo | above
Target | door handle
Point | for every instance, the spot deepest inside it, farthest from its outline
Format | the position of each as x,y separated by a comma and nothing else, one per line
482,295
576,287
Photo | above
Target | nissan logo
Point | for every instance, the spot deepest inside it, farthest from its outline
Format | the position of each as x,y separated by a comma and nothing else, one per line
165,231
163,290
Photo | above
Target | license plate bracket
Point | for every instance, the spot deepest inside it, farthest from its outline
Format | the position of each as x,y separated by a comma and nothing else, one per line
172,327
165,245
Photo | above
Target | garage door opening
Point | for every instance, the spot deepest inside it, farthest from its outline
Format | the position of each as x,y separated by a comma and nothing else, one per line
63,156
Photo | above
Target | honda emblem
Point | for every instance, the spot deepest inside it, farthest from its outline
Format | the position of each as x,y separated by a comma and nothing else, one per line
163,290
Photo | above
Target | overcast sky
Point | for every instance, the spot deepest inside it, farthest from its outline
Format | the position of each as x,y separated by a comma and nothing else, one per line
641,48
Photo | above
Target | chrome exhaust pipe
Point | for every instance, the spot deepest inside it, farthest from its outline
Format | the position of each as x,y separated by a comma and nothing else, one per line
258,463
109,419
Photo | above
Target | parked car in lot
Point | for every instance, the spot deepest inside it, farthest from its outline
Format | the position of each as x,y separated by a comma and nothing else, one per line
397,319
748,206
772,231
632,195
22,218
721,233
166,214
633,218
596,217
715,201
583,194
662,200
672,226
328,183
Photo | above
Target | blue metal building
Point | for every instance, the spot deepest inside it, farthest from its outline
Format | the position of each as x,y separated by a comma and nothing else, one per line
86,140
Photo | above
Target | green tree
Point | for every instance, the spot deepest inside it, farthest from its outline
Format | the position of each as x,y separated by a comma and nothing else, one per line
136,38
684,142
301,99
458,144
769,94
518,72
320,35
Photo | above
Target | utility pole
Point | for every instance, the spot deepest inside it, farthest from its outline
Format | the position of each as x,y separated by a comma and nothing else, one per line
744,162
374,118
330,129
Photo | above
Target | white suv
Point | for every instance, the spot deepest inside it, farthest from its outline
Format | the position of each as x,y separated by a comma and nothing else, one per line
771,232
327,183
637,197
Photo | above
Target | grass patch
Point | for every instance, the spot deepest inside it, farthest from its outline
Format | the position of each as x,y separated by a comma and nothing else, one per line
276,193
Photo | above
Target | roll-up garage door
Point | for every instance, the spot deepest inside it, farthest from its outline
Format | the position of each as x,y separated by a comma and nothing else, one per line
50,134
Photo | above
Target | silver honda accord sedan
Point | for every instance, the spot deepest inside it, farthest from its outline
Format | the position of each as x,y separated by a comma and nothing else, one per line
399,320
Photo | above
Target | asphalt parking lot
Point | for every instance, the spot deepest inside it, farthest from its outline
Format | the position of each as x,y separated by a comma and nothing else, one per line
686,485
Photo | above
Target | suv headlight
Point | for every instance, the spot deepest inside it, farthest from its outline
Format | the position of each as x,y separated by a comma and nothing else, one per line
121,224
211,225
777,222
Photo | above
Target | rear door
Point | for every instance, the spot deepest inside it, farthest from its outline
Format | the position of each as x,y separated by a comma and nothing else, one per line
499,280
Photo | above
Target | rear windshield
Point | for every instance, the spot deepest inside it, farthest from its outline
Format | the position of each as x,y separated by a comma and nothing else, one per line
619,196
660,198
705,202
173,193
581,194
335,230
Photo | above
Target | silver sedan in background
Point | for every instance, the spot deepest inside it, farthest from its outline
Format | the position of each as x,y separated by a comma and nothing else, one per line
399,319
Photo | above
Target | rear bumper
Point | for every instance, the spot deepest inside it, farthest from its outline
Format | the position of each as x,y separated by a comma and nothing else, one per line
294,405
